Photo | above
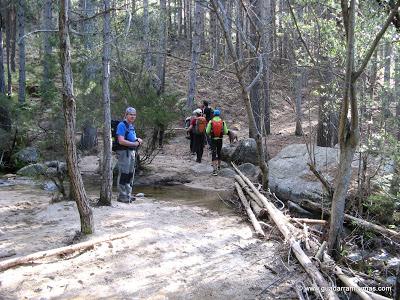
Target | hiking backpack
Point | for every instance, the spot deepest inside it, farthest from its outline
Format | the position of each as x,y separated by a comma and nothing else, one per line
200,126
217,128
115,145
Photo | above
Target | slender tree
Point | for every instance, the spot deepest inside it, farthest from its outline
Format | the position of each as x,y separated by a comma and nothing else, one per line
349,131
146,37
8,51
106,183
2,78
21,50
47,25
196,50
69,107
162,47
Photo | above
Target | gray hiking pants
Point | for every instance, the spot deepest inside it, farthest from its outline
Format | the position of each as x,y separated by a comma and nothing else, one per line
126,172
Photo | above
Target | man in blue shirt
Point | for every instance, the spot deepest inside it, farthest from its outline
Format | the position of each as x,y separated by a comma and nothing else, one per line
126,154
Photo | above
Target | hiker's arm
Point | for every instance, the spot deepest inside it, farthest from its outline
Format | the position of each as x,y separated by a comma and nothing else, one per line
225,129
189,128
122,141
208,129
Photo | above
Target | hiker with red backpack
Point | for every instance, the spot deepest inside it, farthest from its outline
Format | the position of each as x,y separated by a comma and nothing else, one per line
216,128
198,128
125,148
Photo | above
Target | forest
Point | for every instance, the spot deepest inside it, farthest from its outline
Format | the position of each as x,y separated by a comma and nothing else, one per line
306,201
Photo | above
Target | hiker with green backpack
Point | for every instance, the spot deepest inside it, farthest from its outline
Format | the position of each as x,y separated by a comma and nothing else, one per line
198,129
216,128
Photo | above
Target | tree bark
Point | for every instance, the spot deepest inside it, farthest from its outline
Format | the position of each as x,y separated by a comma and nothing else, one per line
69,108
162,47
8,50
2,78
47,24
21,51
348,137
106,183
198,8
13,23
146,37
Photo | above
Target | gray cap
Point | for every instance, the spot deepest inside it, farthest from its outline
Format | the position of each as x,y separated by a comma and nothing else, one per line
130,110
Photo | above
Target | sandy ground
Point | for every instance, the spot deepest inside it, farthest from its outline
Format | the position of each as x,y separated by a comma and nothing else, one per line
172,252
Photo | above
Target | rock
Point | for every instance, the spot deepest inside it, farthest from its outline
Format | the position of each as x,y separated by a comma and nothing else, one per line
10,176
290,177
249,170
27,156
227,152
203,168
245,151
49,186
33,170
139,195
227,172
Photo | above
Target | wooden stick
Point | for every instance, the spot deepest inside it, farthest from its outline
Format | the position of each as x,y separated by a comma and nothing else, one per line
311,221
321,251
6,264
246,188
253,219
360,222
306,238
288,230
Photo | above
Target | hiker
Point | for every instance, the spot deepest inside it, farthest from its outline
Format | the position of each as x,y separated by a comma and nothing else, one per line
189,133
198,129
216,128
126,153
208,114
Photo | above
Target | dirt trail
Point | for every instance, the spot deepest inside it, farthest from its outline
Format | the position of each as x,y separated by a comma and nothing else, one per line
173,252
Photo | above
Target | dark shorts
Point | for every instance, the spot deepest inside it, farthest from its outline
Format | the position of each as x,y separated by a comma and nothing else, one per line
216,146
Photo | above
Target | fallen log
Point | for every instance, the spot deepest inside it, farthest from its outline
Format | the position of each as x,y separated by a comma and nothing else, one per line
348,218
31,258
311,221
298,208
253,219
288,230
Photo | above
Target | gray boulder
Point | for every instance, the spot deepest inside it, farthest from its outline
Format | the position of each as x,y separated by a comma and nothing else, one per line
32,170
227,172
244,152
27,156
290,177
250,170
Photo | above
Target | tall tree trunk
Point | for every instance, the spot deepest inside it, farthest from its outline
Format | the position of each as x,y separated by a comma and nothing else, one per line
69,108
214,40
48,25
2,78
265,25
13,23
239,22
387,51
349,133
21,50
106,183
198,8
179,18
348,137
88,38
8,51
162,56
253,67
146,37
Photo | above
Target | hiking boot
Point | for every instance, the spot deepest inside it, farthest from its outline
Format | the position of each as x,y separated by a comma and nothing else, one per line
215,173
219,168
132,198
123,199
198,160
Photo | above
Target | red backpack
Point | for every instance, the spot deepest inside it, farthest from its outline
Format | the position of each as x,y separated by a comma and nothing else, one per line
217,128
200,126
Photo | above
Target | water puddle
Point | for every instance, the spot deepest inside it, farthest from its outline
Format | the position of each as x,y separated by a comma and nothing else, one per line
183,195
